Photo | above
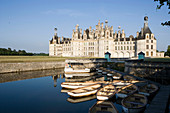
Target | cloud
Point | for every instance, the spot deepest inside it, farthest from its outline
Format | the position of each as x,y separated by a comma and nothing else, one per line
68,12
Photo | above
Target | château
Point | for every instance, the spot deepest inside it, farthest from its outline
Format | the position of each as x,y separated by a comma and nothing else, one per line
96,42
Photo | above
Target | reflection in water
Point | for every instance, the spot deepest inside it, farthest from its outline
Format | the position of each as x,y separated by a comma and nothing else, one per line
8,77
103,107
64,90
82,99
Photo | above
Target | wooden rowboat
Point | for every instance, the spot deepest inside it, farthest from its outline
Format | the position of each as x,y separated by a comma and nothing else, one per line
103,107
134,103
106,92
128,77
74,85
127,90
148,89
84,91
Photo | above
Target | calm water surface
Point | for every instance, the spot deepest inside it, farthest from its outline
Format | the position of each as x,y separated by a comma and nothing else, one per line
39,95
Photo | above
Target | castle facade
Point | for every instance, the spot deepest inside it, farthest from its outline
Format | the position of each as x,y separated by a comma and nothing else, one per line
95,43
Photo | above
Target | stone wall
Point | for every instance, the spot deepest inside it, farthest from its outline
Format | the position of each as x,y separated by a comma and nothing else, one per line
27,66
159,71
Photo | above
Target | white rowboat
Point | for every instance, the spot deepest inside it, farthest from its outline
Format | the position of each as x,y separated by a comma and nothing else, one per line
84,91
106,92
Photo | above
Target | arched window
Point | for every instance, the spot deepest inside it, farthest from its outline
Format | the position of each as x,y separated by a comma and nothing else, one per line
151,53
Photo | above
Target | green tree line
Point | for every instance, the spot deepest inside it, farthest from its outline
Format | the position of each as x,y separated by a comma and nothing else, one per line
167,53
9,51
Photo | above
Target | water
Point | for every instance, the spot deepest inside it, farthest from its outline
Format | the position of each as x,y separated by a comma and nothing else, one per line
21,94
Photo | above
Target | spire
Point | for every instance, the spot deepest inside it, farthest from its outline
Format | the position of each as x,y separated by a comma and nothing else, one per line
77,27
55,31
99,23
145,21
106,23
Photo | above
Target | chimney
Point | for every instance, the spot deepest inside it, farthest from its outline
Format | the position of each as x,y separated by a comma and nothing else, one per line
123,33
119,34
141,31
62,39
115,35
59,40
137,34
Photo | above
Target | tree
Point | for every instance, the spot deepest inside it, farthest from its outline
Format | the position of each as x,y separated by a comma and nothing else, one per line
167,53
161,3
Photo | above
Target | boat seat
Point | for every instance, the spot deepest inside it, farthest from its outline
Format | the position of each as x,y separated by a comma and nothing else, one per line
103,105
87,89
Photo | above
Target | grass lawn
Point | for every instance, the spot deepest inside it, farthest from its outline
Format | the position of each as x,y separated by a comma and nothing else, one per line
158,59
8,59
11,59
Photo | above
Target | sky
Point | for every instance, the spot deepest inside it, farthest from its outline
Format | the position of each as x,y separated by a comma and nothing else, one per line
29,24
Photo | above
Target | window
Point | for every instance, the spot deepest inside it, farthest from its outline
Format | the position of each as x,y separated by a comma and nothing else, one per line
151,41
133,47
107,48
127,42
107,33
130,47
147,46
151,46
147,53
124,47
147,41
115,47
151,53
127,47
121,47
147,36
118,48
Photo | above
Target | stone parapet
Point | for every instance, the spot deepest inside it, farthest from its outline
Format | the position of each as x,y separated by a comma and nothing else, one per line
27,66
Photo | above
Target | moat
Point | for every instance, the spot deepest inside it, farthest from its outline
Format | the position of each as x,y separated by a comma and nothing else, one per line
41,91
42,94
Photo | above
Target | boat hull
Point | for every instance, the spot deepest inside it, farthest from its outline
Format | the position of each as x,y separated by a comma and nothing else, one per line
72,86
82,94
121,95
133,110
